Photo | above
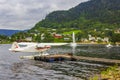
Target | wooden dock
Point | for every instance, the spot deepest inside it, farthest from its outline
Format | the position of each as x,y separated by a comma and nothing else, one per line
101,60
60,57
54,57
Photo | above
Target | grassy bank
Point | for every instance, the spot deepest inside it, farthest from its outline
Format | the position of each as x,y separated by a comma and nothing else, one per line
112,73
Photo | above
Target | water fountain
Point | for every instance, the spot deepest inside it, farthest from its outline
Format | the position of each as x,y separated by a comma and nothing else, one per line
73,44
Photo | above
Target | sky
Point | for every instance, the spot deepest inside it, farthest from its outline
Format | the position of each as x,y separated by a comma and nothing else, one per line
24,14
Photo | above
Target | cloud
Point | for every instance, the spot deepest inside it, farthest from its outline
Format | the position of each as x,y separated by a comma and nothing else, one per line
23,14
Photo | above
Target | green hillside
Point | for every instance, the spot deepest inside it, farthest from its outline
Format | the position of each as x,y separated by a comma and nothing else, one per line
94,14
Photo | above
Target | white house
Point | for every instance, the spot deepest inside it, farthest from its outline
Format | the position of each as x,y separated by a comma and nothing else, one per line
28,38
106,39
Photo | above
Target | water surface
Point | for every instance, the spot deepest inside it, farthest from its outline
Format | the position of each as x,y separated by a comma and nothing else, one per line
14,68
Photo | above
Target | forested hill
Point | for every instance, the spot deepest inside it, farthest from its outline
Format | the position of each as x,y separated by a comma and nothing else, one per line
92,14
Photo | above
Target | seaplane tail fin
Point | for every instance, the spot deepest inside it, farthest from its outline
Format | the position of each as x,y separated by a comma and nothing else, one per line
15,45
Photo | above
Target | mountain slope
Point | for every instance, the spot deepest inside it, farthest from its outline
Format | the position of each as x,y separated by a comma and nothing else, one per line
94,13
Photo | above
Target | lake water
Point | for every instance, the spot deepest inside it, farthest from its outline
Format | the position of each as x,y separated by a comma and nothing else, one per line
14,68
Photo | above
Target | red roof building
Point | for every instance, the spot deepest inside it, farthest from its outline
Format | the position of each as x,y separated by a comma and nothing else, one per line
57,35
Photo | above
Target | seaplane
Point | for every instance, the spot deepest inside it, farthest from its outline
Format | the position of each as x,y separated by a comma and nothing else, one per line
39,48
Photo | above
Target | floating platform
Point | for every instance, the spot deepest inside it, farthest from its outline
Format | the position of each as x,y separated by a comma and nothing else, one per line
55,57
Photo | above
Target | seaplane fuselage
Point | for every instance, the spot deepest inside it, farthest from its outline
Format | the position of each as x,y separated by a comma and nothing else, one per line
33,47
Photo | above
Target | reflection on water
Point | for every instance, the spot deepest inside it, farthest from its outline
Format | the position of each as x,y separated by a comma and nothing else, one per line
14,68
90,50
99,51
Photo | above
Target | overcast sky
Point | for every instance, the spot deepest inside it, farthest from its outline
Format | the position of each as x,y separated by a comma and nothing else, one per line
24,14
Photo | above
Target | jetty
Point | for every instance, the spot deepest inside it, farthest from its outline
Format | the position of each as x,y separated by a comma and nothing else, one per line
69,56
100,60
55,57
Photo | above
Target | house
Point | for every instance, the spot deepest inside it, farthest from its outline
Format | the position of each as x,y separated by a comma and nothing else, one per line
99,38
28,38
53,29
66,39
117,31
92,39
57,35
84,40
106,39
42,36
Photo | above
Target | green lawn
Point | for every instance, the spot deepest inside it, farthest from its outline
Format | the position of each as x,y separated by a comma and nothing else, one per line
70,32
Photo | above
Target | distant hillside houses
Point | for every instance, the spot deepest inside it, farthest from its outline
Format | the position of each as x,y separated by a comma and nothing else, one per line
67,37
105,39
95,39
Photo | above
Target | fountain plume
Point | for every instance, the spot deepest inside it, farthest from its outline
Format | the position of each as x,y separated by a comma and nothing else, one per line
73,44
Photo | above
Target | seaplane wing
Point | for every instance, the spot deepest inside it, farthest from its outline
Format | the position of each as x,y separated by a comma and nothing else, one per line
39,44
52,44
27,43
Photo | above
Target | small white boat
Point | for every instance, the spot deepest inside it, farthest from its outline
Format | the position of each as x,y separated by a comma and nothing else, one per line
117,45
109,45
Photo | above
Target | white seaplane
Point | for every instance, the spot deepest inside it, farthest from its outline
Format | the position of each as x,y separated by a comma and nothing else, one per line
36,47
33,47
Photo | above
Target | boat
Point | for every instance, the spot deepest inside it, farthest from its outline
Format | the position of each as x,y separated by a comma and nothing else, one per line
109,45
